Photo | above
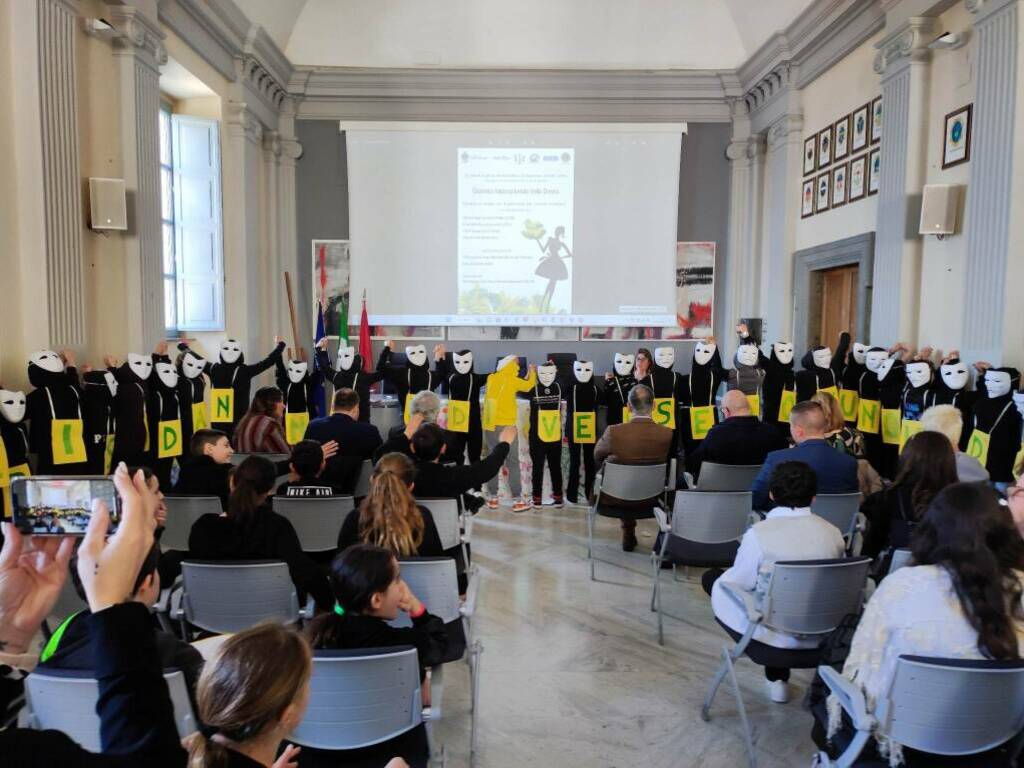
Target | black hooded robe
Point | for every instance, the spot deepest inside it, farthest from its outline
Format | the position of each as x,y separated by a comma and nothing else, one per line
56,396
1000,419
98,415
462,387
354,378
132,436
411,379
164,404
778,378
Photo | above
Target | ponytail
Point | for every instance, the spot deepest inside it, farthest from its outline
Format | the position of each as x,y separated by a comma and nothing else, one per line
204,752
389,516
251,482
357,574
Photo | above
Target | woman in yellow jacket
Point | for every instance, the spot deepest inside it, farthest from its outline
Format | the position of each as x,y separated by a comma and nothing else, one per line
502,410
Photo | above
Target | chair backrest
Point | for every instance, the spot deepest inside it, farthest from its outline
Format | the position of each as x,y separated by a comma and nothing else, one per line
446,517
360,698
711,517
317,521
953,706
232,596
363,480
434,581
65,700
840,509
182,512
727,477
238,457
901,558
811,597
633,482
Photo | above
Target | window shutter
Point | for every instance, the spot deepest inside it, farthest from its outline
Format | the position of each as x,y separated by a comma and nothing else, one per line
198,236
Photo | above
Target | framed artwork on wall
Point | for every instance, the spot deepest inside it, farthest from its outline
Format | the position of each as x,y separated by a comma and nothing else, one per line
807,199
876,120
857,176
956,141
874,170
822,193
859,128
810,155
840,179
825,148
841,143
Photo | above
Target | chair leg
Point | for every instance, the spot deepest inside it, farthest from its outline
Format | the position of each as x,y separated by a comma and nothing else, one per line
654,579
478,649
657,590
747,734
723,670
590,542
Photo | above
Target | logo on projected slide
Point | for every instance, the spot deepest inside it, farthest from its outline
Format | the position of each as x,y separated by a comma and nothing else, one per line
465,157
534,158
566,157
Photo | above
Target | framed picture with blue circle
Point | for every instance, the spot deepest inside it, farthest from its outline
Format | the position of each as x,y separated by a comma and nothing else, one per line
956,141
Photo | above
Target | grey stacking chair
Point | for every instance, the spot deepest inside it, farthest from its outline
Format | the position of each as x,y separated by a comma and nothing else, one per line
317,521
238,457
807,597
447,514
182,512
705,531
627,482
727,477
360,698
950,707
901,558
362,488
230,596
65,700
840,509
433,580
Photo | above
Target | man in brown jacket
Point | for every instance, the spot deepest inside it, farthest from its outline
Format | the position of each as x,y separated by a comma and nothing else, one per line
637,441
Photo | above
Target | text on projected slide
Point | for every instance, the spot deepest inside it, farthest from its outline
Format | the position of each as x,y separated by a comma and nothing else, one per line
515,231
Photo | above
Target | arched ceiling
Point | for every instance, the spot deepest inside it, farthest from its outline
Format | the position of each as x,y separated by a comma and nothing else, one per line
543,34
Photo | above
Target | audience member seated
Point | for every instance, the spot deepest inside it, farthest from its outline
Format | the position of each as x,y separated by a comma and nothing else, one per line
306,467
369,592
425,408
251,530
1015,499
206,471
789,532
389,516
435,479
739,439
960,600
357,440
926,467
836,472
947,420
261,430
637,441
848,440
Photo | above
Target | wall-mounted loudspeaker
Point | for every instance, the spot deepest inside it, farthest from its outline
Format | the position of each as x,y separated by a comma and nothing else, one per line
107,208
940,204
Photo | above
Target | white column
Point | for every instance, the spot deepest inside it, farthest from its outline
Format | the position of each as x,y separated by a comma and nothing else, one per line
291,256
273,277
903,62
993,313
139,51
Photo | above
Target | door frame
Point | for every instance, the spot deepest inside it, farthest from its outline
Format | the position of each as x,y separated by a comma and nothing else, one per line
858,250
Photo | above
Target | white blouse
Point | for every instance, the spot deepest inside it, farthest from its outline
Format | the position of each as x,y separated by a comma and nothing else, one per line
915,612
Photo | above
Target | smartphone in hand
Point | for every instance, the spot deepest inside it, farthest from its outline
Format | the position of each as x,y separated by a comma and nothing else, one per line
45,505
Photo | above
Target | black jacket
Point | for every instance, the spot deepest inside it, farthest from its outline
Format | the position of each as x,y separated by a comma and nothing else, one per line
890,518
355,438
353,631
354,378
98,417
202,476
237,376
63,392
429,547
451,481
737,440
130,417
136,717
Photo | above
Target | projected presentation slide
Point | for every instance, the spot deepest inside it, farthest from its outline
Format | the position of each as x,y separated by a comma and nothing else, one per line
514,224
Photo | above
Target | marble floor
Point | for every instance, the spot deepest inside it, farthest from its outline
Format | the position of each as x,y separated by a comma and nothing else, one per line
572,674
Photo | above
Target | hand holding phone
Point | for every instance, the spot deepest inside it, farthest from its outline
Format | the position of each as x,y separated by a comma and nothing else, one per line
61,506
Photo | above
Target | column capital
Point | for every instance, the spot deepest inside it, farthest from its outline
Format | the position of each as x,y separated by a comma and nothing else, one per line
272,143
291,149
257,77
784,129
982,9
242,122
138,35
907,43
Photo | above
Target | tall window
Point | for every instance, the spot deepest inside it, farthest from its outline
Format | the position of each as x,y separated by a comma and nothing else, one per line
167,222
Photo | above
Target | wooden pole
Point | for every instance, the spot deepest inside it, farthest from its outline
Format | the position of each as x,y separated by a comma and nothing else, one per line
291,311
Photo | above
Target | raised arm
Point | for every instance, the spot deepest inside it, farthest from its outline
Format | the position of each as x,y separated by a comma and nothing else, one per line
269,361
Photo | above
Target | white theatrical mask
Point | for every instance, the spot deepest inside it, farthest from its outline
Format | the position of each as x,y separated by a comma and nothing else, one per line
111,382
859,352
822,357
583,370
416,355
874,358
664,357
783,351
954,375
546,374
297,370
167,375
1018,400
997,383
703,352
230,351
140,365
919,374
12,405
47,360
746,354
624,364
463,362
346,356
884,367
506,361
192,366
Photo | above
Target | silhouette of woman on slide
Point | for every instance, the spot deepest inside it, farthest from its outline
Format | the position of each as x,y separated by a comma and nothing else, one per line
551,265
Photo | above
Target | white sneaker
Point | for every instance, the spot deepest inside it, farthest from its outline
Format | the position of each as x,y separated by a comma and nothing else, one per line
778,691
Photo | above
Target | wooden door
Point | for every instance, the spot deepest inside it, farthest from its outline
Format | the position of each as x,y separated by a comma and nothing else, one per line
838,304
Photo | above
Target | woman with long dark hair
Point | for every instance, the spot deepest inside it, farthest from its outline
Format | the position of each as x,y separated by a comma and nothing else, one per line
961,599
926,466
251,530
261,429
